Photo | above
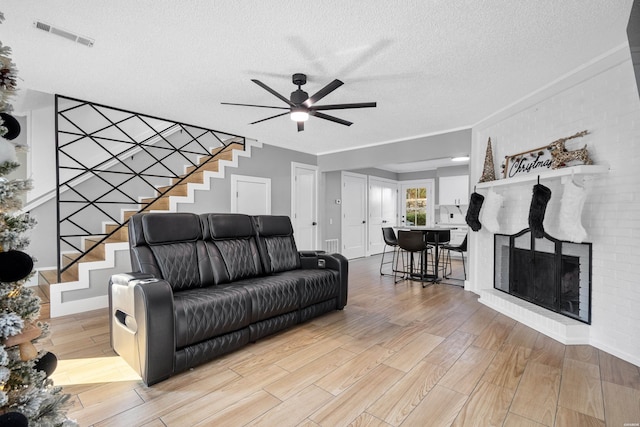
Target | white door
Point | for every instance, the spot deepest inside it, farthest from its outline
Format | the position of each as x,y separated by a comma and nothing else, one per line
354,215
250,195
304,214
417,204
383,208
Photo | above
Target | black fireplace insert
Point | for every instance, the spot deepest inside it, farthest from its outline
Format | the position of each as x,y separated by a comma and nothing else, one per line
554,274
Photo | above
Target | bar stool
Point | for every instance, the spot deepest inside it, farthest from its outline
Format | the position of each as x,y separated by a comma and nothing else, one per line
411,242
391,240
461,249
441,237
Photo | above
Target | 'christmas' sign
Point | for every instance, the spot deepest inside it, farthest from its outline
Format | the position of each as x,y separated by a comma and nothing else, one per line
534,161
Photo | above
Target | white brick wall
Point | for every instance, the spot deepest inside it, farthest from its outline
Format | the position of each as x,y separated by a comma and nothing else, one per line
601,97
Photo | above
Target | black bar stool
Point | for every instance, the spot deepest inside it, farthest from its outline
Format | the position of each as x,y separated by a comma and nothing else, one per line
390,240
440,238
461,249
412,242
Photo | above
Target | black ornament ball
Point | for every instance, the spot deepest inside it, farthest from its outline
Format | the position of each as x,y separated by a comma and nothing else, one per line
14,266
14,419
12,125
47,363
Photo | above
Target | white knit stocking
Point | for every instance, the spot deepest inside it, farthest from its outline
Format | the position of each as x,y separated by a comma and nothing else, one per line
573,198
489,213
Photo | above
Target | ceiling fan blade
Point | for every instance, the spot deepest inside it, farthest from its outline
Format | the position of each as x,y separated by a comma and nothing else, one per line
253,105
323,92
343,106
300,126
330,118
269,118
273,92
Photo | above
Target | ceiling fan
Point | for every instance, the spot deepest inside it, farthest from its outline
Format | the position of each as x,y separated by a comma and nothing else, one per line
301,105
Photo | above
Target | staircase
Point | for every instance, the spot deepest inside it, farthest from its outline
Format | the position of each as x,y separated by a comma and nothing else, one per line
101,254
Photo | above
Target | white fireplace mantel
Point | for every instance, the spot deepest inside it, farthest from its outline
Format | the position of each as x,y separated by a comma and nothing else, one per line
580,170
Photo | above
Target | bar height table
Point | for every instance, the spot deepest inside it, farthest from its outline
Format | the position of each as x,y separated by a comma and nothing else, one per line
436,231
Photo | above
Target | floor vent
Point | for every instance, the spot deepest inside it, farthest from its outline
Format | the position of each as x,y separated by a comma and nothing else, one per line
63,33
331,245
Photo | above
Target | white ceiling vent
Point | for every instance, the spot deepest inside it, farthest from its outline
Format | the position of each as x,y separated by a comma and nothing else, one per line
63,33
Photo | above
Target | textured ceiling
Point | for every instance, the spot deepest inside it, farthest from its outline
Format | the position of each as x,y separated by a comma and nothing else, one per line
432,66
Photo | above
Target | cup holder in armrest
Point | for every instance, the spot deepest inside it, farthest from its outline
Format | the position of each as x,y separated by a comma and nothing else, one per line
127,321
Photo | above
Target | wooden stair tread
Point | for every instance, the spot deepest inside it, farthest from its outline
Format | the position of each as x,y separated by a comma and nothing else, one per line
51,276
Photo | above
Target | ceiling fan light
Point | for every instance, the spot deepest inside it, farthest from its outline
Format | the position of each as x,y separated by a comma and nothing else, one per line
460,159
299,115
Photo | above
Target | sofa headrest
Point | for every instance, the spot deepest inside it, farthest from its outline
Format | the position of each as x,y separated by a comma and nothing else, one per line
229,226
274,225
171,227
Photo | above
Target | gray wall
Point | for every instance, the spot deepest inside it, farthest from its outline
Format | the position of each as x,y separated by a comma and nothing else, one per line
266,162
424,148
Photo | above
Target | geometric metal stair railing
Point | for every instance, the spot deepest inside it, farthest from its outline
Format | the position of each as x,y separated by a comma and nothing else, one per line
108,159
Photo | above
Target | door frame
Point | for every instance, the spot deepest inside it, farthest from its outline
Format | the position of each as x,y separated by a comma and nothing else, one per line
295,165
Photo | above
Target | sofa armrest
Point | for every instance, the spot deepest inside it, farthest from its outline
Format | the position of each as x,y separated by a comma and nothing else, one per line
339,263
142,324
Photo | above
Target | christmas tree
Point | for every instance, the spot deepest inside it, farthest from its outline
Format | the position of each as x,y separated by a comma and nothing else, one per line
27,394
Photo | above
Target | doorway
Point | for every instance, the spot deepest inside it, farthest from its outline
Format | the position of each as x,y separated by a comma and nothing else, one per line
250,195
304,201
354,215
383,210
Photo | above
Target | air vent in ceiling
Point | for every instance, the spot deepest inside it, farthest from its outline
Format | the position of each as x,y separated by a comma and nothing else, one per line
63,33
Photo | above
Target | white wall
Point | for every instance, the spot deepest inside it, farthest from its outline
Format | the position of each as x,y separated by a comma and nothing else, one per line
602,98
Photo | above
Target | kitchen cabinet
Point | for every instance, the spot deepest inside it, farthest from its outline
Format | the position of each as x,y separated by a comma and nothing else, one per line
454,190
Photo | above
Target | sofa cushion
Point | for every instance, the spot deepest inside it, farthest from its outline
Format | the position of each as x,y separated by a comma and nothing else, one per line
204,313
270,295
315,285
169,246
234,236
178,263
275,235
160,228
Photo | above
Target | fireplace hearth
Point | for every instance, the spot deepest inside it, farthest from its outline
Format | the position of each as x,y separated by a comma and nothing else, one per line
548,272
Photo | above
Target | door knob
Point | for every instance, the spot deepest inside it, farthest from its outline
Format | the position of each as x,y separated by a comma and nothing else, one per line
364,222
314,223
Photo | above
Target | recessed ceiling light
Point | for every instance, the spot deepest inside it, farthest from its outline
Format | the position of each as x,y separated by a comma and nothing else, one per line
460,159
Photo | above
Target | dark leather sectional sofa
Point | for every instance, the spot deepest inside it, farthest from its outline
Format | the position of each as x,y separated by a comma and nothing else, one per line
208,284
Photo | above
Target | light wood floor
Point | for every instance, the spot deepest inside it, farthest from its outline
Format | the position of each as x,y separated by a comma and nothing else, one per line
396,355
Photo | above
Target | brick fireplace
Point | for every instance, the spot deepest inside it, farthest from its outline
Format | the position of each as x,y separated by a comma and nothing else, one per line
600,96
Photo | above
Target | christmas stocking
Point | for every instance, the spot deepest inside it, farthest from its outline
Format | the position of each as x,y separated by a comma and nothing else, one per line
573,198
473,213
489,214
541,196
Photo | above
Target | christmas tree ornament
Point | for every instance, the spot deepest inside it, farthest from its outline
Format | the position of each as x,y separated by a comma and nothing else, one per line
13,419
11,126
47,363
473,212
7,152
23,340
539,200
489,214
14,266
573,198
488,171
